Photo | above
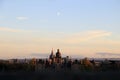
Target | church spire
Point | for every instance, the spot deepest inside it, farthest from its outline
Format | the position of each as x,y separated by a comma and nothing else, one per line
52,51
58,54
51,55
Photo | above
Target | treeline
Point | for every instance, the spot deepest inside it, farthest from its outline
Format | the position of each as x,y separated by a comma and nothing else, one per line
16,67
70,65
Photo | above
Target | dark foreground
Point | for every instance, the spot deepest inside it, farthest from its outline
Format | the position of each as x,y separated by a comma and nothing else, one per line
60,75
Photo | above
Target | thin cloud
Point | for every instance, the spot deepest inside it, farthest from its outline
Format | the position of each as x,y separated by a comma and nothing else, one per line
87,35
108,54
21,18
12,30
39,55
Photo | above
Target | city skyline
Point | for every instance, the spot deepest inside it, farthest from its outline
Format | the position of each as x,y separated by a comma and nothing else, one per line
86,28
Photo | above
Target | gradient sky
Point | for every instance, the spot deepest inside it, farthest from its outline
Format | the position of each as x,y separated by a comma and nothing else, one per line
79,28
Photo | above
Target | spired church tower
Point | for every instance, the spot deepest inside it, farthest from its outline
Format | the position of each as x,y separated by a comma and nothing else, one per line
58,54
57,57
52,56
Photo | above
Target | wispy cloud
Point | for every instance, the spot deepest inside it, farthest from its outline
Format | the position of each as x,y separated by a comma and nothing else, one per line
40,55
21,18
87,35
107,54
13,30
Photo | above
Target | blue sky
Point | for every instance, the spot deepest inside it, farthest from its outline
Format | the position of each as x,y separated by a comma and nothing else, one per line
80,27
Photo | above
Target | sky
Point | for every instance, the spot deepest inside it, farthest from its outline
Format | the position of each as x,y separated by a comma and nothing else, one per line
79,28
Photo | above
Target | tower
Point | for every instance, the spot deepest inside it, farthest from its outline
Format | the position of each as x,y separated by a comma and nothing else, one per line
58,56
52,56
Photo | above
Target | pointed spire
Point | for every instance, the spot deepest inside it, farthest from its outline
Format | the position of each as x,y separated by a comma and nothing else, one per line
58,54
51,55
52,51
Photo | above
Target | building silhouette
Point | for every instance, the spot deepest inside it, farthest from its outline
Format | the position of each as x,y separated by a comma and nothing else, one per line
57,57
